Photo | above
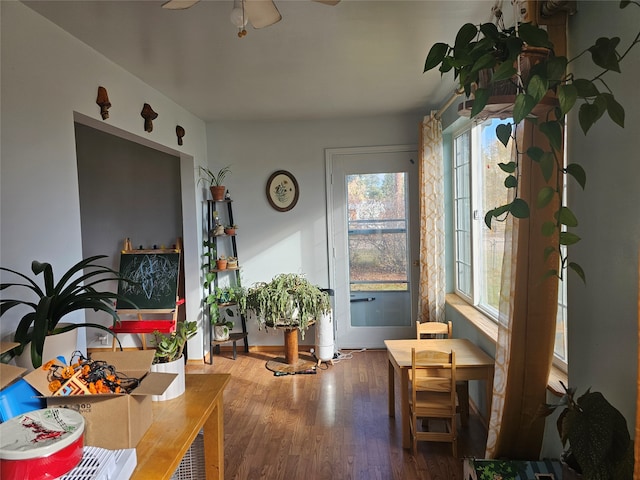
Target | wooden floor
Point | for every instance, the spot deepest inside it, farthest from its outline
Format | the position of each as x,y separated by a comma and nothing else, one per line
331,425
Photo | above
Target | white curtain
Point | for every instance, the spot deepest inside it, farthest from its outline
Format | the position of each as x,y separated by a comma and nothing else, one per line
432,268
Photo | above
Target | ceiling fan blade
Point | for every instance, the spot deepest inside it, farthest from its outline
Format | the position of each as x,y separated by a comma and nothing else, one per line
262,13
328,2
179,4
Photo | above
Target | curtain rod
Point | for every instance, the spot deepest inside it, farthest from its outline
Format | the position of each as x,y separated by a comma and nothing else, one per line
448,103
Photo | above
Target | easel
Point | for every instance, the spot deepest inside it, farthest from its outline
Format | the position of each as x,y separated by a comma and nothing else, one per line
158,274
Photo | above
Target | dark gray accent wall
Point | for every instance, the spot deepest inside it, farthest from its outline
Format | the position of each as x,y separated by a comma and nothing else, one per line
126,190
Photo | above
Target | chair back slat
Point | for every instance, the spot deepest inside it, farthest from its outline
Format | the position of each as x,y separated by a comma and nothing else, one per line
433,330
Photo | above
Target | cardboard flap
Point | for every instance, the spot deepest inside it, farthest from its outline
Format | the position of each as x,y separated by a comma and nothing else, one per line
9,373
6,346
133,363
38,379
155,383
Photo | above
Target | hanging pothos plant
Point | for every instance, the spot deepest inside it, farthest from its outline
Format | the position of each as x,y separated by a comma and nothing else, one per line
481,47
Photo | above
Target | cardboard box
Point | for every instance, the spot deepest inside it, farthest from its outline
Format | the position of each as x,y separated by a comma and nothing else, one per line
8,373
113,421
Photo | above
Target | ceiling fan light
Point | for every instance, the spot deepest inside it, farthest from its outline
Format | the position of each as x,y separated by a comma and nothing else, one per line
261,13
238,17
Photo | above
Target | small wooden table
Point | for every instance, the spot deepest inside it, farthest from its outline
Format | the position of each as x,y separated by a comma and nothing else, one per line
177,422
471,364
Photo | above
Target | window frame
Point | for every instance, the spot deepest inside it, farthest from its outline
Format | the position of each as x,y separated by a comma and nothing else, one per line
474,163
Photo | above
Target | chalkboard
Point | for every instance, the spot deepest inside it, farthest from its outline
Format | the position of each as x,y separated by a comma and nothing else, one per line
156,276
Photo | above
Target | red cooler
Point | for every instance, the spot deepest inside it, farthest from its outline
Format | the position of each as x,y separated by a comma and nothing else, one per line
41,445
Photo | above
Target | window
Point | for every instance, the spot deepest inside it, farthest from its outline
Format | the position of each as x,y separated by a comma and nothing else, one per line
377,227
479,187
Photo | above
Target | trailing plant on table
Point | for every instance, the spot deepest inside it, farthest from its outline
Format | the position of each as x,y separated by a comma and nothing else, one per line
480,47
288,300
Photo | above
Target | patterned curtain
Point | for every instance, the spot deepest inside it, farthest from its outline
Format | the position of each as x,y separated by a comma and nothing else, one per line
526,334
432,274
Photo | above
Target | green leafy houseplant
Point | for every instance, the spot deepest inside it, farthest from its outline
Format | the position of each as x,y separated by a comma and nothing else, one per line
288,300
599,444
169,347
214,179
75,291
477,48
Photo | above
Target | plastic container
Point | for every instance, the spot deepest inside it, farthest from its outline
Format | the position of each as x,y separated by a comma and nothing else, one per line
17,398
41,445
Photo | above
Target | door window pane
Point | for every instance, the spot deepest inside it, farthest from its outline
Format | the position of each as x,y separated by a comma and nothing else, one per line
377,232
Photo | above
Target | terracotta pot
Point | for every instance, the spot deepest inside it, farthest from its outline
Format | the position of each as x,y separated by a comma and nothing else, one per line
217,192
221,264
230,231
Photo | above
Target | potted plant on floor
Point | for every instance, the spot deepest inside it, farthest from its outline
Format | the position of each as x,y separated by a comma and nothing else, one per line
289,301
169,357
599,443
76,290
214,181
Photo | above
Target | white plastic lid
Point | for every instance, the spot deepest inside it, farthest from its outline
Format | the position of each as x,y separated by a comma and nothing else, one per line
39,433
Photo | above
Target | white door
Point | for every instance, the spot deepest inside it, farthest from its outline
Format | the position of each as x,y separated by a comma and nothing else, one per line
373,210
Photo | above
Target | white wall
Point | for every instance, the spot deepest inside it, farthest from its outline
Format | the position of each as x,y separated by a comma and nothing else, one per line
603,323
48,77
271,242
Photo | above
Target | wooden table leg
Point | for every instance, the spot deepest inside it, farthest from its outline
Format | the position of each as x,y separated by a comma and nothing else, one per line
291,345
404,407
214,443
392,393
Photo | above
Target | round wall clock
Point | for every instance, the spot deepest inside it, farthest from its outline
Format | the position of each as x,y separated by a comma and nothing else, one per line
282,191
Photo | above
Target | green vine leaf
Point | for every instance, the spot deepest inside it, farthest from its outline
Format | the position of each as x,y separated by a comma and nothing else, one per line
604,54
507,167
480,99
585,88
614,109
534,36
519,208
503,132
578,269
537,88
568,238
547,165
556,68
566,217
535,153
548,229
487,60
511,182
567,96
466,33
578,173
503,71
587,116
550,273
523,105
548,251
545,195
435,56
495,213
553,131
